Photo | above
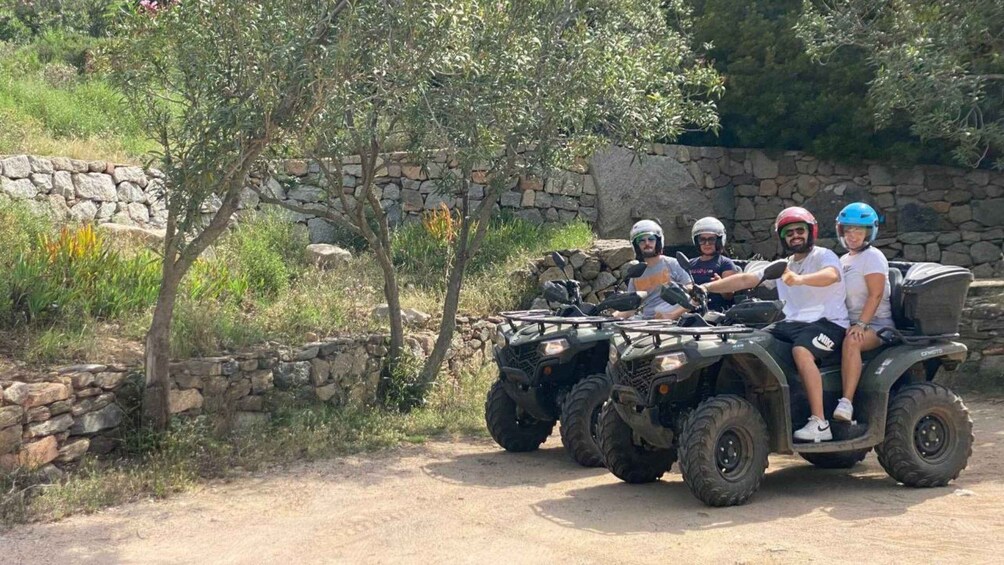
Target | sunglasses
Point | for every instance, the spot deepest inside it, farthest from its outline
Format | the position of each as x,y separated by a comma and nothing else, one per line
703,240
794,230
646,239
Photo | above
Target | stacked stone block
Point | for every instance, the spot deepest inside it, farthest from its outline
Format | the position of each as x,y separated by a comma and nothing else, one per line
56,418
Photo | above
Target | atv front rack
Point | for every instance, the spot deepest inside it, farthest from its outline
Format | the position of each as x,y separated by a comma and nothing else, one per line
659,328
546,317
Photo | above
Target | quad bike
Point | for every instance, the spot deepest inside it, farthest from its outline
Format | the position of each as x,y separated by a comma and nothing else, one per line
720,398
552,366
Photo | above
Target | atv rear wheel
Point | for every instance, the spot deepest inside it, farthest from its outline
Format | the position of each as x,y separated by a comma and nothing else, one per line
928,436
723,451
842,460
510,426
628,461
580,415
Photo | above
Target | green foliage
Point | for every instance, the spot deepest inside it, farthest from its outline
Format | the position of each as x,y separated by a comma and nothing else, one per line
218,83
71,277
48,107
422,259
76,275
267,251
401,387
940,63
22,20
776,96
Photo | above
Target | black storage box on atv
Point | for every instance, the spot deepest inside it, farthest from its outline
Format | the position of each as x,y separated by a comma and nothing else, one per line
933,297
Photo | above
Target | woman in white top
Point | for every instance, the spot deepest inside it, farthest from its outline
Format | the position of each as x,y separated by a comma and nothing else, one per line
866,278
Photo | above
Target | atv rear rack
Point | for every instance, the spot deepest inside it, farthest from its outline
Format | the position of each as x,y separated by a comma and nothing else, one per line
659,328
546,317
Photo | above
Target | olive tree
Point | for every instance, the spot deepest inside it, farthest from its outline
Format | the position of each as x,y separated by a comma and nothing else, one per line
941,63
218,83
498,90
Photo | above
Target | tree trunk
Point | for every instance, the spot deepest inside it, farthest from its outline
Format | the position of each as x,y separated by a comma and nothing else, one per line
393,295
156,413
449,324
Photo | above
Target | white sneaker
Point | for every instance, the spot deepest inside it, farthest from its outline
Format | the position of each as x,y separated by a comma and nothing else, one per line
844,411
816,431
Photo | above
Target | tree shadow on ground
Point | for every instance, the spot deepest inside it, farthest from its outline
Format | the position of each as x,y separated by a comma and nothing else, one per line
795,490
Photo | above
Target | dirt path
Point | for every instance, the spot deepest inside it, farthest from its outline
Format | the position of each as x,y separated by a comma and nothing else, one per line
470,502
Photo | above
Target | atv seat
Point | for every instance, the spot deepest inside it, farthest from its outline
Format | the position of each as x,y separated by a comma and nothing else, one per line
896,297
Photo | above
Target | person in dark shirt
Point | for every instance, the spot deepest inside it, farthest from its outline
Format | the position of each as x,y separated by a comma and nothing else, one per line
711,265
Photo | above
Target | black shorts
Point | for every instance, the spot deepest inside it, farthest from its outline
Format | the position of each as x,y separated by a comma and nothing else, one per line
822,338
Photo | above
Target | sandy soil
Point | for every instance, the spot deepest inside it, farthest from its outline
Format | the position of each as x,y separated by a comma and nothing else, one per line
470,502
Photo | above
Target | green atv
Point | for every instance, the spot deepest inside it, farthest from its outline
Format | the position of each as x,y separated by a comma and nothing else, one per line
552,366
720,394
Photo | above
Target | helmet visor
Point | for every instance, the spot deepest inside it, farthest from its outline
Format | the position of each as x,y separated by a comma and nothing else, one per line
790,230
646,237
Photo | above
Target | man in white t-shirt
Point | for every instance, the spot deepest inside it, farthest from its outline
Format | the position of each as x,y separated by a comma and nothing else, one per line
815,312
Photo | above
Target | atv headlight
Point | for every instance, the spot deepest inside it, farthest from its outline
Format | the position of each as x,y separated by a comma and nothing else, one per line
553,347
613,354
669,362
500,339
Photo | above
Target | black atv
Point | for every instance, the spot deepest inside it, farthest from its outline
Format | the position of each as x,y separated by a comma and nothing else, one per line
725,396
552,367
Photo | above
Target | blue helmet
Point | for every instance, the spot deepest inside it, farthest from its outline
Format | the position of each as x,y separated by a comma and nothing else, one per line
858,214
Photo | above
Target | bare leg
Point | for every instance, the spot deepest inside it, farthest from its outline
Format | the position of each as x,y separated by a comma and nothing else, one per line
850,362
811,379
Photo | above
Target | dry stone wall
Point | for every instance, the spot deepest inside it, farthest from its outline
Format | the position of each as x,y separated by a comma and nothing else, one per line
940,214
60,416
56,418
86,191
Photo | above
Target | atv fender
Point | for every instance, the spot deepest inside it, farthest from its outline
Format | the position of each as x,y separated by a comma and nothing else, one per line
529,398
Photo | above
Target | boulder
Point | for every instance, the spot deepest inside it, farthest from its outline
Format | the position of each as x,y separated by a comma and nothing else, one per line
985,252
10,415
291,375
320,230
410,316
629,188
10,439
45,393
16,393
182,401
16,167
95,186
73,450
36,454
111,416
327,256
20,188
614,252
54,426
134,175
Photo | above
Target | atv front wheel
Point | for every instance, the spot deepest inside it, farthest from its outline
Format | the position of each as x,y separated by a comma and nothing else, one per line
723,451
928,436
628,461
580,415
510,426
841,460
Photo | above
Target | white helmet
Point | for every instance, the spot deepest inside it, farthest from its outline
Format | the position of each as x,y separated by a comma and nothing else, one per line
710,225
646,227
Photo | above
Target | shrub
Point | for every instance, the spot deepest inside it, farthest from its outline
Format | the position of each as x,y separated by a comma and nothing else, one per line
400,387
265,250
422,256
73,276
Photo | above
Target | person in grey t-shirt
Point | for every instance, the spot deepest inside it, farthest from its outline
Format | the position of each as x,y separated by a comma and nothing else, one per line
646,237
